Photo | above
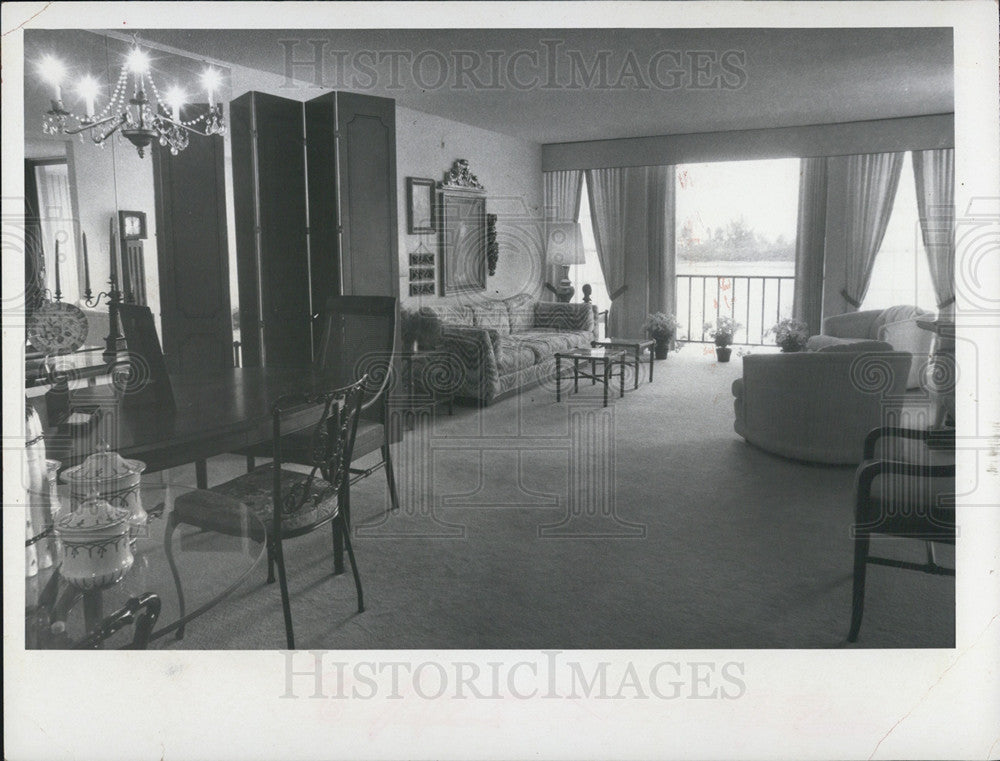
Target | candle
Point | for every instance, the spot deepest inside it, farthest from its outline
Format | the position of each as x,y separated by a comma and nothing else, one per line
58,284
113,272
86,267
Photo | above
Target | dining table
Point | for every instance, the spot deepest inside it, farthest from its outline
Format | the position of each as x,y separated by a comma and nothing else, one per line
189,569
211,414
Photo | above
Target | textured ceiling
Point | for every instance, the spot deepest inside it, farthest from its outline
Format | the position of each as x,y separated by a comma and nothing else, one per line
533,83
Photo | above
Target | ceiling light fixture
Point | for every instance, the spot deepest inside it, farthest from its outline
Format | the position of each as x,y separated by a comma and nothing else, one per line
130,111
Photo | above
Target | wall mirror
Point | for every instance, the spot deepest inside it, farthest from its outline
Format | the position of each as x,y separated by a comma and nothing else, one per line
462,230
176,261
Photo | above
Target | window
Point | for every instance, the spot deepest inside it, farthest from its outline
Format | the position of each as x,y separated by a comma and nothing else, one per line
590,271
901,274
735,235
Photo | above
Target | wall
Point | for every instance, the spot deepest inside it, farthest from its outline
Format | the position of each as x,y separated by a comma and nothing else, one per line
508,167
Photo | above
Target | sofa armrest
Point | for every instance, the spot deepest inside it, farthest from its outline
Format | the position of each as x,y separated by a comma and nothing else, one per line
477,350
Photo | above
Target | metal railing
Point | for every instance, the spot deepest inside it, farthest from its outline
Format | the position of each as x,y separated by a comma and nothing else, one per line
757,302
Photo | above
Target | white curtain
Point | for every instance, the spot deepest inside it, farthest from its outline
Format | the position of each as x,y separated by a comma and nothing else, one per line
56,221
934,174
872,179
562,195
633,214
810,244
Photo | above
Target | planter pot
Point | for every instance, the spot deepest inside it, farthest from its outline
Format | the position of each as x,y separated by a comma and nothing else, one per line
662,348
722,353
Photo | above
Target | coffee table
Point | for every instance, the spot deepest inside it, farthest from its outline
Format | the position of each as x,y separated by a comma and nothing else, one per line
634,345
607,357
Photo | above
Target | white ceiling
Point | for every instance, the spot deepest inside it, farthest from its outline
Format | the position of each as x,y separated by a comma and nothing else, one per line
792,76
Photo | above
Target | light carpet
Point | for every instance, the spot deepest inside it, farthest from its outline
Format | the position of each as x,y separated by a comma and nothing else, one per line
694,539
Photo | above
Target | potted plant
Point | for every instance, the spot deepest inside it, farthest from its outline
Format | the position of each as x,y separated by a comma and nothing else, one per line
661,327
419,330
722,334
790,334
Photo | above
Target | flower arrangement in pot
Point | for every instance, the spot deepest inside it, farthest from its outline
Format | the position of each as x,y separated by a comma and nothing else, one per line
790,334
419,330
723,332
661,327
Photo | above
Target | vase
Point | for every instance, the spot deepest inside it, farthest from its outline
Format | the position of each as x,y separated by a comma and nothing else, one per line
722,353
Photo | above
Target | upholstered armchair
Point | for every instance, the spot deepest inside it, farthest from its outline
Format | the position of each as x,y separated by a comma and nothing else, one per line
896,326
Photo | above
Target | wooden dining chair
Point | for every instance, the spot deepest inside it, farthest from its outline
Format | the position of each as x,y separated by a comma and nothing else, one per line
290,503
358,340
907,491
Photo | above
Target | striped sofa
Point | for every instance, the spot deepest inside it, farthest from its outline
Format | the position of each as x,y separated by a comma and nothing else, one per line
501,347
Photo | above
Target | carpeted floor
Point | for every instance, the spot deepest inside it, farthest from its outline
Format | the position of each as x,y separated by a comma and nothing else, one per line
676,534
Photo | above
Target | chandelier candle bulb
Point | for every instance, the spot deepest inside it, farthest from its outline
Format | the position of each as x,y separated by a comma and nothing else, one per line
86,267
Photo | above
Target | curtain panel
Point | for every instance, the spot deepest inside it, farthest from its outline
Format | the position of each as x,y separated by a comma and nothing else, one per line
562,195
810,244
633,214
872,179
934,175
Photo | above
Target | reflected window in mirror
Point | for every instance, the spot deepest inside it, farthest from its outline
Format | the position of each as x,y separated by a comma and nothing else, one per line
55,236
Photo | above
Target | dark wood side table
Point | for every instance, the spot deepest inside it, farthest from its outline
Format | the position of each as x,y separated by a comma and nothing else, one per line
607,357
636,346
428,380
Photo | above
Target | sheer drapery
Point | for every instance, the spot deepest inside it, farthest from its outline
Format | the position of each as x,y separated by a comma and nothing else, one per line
934,176
810,244
562,195
872,179
633,215
56,220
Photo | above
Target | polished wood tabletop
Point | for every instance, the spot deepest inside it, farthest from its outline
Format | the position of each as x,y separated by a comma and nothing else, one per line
213,414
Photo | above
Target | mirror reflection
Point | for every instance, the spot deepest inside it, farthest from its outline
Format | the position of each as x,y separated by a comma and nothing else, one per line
116,165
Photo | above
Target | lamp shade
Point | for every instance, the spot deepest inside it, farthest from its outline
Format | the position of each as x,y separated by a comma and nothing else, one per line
564,244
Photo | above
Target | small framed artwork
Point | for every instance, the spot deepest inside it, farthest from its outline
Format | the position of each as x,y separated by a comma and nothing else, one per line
132,225
419,205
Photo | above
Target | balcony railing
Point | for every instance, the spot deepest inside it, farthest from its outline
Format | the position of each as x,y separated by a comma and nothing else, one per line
757,302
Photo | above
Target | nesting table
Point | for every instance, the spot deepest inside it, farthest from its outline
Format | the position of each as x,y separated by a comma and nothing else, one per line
635,347
607,358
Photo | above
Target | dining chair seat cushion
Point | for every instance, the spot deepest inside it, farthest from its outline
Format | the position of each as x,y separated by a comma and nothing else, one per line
215,512
255,490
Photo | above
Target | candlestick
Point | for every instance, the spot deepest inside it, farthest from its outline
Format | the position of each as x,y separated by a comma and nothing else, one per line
113,272
58,294
86,268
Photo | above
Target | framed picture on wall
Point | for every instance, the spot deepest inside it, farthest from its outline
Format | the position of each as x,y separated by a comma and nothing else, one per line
419,205
462,232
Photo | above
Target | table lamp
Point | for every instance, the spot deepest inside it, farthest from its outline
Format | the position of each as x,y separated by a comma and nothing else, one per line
564,247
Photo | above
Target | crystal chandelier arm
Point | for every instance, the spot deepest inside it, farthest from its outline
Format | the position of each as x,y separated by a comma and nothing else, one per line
85,125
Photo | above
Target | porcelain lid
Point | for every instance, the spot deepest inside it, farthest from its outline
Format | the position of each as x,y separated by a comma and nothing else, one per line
104,465
93,514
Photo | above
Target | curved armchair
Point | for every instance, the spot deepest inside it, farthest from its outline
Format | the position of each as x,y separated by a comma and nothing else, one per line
816,406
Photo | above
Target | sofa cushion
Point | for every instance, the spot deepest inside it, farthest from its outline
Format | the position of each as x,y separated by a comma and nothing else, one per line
564,316
906,335
546,343
492,315
450,314
514,355
521,312
856,346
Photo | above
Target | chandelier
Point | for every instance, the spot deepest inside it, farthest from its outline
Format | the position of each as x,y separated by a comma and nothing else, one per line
136,109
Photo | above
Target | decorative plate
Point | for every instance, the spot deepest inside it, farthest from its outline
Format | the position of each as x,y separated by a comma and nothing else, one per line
57,328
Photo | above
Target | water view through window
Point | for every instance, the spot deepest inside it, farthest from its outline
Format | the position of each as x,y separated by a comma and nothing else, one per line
735,231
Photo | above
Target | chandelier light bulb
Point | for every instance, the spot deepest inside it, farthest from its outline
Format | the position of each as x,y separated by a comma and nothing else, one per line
176,97
210,80
137,61
87,89
53,72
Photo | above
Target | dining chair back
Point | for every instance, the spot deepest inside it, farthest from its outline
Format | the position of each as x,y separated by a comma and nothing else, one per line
291,503
904,487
